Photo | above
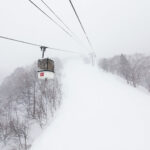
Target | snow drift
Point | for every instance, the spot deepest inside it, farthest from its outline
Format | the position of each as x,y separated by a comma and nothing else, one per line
98,113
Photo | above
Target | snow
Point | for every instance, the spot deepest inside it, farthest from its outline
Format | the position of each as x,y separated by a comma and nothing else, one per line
98,113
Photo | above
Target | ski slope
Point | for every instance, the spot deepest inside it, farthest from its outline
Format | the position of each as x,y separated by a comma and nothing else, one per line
99,112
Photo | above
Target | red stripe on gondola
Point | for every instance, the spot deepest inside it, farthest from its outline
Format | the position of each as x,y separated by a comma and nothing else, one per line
41,74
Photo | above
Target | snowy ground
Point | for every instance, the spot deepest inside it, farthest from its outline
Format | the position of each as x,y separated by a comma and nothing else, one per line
98,113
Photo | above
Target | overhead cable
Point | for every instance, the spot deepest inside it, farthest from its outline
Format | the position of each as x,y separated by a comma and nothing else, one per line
81,24
7,38
38,45
55,15
50,18
74,36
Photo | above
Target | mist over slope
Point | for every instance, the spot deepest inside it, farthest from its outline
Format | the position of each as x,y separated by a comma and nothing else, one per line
98,112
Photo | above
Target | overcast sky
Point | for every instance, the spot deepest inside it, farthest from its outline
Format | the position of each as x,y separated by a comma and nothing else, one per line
113,26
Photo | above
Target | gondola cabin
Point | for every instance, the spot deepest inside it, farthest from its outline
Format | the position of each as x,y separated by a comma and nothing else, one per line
46,68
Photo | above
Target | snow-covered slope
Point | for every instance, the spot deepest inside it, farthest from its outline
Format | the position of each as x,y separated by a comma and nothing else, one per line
98,113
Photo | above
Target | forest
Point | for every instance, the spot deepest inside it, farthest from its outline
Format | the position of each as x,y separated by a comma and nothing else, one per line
26,103
135,69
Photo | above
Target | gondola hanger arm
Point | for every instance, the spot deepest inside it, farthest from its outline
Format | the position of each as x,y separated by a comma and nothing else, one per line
43,49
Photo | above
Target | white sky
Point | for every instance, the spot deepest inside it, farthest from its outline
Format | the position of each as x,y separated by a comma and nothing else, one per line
114,26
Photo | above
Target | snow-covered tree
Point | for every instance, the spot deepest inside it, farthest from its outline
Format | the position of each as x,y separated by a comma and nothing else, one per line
125,68
26,100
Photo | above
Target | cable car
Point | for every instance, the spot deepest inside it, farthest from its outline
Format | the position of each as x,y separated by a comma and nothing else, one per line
45,67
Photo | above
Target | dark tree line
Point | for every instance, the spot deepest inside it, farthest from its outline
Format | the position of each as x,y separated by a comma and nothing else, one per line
25,100
135,69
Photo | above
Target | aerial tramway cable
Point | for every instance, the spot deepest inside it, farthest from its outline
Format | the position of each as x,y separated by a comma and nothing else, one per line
55,15
38,45
92,54
71,34
50,18
11,39
85,33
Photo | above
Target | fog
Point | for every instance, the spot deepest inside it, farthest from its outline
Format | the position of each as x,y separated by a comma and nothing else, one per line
113,27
